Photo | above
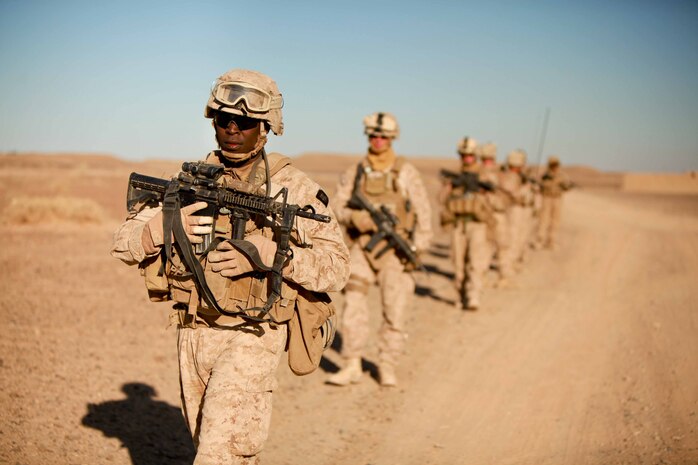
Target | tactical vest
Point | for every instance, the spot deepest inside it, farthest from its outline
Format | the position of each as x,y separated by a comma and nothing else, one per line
551,185
382,188
232,295
468,206
309,315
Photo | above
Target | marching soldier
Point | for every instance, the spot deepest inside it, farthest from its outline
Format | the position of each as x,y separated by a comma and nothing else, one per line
519,214
553,184
228,349
466,206
388,183
490,172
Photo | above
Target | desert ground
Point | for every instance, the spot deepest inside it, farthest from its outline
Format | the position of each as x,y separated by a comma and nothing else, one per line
591,357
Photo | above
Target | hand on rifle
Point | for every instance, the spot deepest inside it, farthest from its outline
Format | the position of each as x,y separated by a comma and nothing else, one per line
231,262
194,226
361,219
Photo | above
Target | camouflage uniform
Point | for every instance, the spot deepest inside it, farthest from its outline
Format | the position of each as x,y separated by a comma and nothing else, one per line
473,224
395,282
491,172
520,213
227,366
553,184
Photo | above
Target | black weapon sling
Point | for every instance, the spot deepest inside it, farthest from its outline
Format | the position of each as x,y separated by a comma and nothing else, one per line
172,226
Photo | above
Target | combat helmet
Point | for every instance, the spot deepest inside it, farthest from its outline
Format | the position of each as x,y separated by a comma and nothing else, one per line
488,150
381,124
516,158
553,161
467,146
247,93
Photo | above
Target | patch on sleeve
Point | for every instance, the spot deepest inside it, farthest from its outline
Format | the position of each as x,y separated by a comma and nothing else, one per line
322,197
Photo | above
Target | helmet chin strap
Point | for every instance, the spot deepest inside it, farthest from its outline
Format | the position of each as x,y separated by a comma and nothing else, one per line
259,145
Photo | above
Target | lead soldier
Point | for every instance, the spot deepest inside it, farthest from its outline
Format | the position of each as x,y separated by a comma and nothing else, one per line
227,361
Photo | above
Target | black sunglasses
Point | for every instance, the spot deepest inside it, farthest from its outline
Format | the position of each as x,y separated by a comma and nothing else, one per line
243,123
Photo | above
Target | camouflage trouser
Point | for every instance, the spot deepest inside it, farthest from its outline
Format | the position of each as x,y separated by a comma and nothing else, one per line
501,239
397,288
519,221
549,220
227,378
471,256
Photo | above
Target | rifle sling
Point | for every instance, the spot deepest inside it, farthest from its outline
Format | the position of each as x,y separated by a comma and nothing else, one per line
172,226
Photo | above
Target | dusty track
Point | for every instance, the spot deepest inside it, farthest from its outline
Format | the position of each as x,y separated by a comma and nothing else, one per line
591,358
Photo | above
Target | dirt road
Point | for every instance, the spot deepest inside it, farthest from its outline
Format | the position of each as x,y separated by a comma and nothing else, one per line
591,358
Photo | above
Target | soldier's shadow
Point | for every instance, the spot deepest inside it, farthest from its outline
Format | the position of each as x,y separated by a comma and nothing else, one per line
153,431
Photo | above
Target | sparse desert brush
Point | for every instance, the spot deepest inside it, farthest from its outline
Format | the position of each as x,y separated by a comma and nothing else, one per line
37,210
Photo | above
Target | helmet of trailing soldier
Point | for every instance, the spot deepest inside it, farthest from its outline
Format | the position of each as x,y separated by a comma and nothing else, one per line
488,153
516,158
381,129
468,150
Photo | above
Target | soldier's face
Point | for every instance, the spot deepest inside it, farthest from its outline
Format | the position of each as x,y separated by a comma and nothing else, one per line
468,159
379,143
488,161
236,134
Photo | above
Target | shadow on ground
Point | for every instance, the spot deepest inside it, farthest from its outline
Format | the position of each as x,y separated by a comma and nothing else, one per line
153,431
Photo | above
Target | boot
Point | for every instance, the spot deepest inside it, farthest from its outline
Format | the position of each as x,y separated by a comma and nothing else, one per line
387,376
351,373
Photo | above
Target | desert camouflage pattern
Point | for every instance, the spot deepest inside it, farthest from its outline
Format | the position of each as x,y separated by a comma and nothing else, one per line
472,254
499,202
396,289
227,378
549,222
381,124
467,146
395,283
553,184
321,264
411,186
228,374
519,219
264,82
471,233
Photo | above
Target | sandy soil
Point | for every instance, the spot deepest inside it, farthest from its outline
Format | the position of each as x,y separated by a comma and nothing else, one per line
590,358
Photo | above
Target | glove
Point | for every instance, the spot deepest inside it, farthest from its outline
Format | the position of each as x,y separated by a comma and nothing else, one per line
230,262
361,220
194,227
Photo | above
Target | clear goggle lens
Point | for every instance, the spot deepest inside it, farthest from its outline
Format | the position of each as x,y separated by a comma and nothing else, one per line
256,100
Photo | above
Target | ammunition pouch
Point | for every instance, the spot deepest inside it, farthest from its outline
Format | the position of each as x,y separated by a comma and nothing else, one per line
155,277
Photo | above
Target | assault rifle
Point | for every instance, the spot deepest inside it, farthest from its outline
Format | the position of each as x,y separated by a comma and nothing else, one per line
196,183
470,182
385,222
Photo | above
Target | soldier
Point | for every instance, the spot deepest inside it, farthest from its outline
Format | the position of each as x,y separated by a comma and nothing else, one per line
387,180
227,361
553,184
519,213
490,172
466,204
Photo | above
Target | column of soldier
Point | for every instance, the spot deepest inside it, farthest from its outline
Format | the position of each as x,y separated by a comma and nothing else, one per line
246,247
495,215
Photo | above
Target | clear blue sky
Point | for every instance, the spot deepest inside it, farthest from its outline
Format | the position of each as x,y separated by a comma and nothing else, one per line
131,78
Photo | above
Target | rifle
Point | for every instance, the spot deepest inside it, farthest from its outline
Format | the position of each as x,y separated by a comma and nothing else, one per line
470,182
385,221
196,183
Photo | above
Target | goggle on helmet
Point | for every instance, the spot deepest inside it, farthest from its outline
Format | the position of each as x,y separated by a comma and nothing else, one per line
254,99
